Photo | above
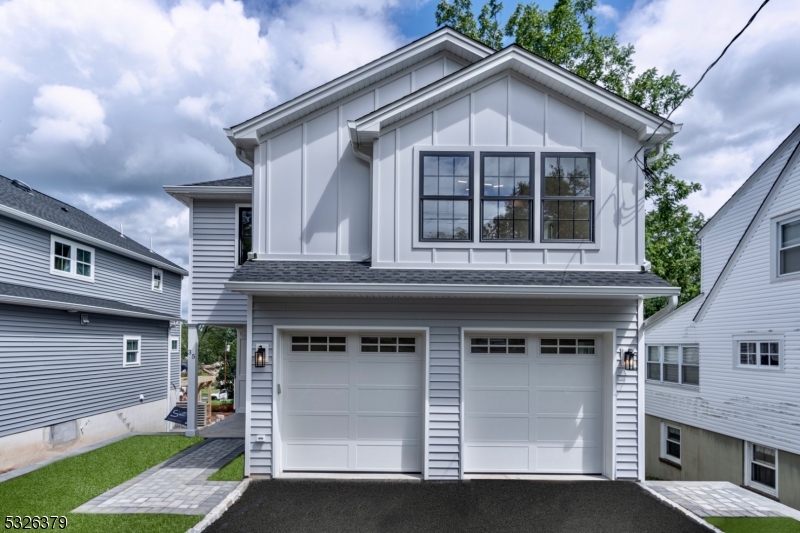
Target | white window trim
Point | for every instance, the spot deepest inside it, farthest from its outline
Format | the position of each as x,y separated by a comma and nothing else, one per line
664,433
236,233
775,248
73,259
661,381
153,280
748,459
737,364
178,340
125,340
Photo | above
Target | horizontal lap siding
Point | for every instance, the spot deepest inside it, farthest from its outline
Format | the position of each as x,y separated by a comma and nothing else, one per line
26,261
55,370
445,318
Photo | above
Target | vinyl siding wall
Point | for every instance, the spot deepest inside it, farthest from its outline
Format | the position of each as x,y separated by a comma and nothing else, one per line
174,385
445,318
26,261
55,370
213,263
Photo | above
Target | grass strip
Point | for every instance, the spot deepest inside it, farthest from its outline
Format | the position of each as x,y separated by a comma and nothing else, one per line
233,471
756,525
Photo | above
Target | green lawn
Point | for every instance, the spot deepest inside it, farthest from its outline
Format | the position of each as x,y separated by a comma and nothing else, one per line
233,471
756,525
60,487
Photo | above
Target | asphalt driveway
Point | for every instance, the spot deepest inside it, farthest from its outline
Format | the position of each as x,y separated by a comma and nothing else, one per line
491,506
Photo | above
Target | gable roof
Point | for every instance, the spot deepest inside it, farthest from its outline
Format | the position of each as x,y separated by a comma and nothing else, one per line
39,209
238,181
237,189
556,78
791,163
443,39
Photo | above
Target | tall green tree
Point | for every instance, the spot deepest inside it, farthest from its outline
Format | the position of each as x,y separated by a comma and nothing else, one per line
567,35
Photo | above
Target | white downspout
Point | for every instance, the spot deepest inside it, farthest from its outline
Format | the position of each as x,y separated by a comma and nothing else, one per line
672,304
359,153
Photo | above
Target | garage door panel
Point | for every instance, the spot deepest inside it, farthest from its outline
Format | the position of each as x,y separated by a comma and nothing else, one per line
493,428
498,458
389,373
570,459
498,374
569,429
561,401
389,427
316,456
500,401
318,399
399,457
315,426
568,375
405,401
317,372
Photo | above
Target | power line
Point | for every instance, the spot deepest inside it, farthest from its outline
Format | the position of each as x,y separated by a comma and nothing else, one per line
690,91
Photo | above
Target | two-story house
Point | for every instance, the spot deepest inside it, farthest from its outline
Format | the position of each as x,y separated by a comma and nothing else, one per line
723,401
89,329
445,272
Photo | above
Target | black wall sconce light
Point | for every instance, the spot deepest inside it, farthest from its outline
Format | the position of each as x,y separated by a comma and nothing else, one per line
260,359
629,359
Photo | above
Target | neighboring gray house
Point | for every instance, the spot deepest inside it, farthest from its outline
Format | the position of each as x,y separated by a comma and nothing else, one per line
723,378
446,266
89,329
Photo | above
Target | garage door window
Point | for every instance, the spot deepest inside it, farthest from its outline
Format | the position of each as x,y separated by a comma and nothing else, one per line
319,344
497,345
567,346
388,344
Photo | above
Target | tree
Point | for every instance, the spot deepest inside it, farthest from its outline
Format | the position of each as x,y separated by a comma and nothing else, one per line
567,36
212,341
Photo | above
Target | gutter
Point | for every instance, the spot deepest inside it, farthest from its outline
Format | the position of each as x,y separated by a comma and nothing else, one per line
50,304
672,304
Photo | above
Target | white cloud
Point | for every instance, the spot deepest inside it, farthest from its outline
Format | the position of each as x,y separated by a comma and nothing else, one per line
68,115
606,11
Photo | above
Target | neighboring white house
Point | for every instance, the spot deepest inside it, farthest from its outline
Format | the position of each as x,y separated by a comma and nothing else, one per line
723,371
446,268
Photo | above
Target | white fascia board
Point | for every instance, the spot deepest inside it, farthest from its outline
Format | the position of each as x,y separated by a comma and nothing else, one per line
66,232
430,289
182,193
248,128
50,304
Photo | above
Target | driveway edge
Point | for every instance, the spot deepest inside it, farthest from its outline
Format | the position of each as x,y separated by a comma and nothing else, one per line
223,506
687,512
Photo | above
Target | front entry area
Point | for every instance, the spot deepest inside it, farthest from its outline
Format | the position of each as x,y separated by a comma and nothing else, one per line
351,401
533,404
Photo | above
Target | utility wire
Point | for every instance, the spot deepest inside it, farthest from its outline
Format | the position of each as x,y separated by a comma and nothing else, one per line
644,167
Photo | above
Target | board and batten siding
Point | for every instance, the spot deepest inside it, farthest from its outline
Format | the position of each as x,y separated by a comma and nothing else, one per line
761,406
316,192
507,112
26,261
56,370
213,262
445,319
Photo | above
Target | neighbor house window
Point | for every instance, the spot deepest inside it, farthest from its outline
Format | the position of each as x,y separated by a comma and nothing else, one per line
567,346
244,230
789,235
446,197
71,259
506,197
761,471
319,344
568,197
759,354
388,344
174,344
671,442
497,345
158,280
131,351
674,363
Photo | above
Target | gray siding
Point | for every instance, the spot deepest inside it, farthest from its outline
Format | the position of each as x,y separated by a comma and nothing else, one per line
445,318
26,261
55,370
213,259
175,365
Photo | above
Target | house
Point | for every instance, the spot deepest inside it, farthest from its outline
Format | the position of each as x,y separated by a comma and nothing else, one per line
722,395
444,270
89,329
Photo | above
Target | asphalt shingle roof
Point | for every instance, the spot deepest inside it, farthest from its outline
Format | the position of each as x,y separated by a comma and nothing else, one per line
352,272
238,181
22,291
55,211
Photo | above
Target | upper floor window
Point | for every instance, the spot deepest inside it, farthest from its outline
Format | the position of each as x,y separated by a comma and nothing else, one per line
759,354
506,197
568,197
446,197
789,247
677,364
71,259
158,280
244,233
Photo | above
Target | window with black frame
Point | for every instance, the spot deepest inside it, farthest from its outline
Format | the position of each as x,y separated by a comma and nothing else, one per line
506,197
245,233
568,197
446,197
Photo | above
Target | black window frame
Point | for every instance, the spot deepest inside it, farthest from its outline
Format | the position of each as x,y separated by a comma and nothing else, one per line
592,199
530,198
240,260
470,198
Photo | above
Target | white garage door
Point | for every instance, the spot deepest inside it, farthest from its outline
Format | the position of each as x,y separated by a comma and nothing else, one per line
352,402
533,404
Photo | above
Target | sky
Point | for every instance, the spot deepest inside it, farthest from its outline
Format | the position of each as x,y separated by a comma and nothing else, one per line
104,101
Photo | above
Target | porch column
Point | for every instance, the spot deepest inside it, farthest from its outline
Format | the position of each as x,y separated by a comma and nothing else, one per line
191,386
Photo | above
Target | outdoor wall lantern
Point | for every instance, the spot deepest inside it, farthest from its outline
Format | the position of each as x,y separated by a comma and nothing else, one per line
84,319
629,359
260,360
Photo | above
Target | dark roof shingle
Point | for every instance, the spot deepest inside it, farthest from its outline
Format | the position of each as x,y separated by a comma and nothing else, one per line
238,181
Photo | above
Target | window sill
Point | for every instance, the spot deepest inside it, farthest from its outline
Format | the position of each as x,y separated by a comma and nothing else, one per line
692,388
670,462
128,365
68,275
760,492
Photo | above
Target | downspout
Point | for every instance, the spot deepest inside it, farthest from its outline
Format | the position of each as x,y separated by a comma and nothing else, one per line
672,304
364,156
241,155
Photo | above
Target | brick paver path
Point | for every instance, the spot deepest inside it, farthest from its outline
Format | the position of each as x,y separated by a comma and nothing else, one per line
176,486
717,498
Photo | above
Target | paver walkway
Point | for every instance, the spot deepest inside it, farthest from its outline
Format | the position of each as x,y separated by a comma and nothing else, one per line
176,486
719,498
232,427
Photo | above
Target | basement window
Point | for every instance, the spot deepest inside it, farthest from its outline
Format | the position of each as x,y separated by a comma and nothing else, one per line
761,468
70,259
671,443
